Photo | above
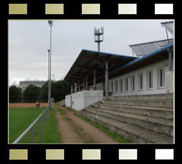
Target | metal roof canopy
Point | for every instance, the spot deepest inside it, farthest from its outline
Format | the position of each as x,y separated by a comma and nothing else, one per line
89,60
148,47
155,56
169,26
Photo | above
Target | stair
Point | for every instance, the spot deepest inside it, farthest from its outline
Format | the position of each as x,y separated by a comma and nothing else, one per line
140,119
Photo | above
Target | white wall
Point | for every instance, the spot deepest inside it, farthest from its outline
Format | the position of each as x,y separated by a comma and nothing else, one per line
155,90
82,99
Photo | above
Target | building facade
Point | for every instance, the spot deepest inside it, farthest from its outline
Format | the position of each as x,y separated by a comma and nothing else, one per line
150,79
24,84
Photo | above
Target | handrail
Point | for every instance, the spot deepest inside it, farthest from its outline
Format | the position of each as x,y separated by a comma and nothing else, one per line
31,127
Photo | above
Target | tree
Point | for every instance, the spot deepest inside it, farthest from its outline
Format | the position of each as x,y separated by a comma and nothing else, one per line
59,89
31,93
15,94
44,93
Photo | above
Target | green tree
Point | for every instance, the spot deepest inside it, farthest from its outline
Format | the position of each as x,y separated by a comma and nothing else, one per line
15,94
31,93
44,93
59,89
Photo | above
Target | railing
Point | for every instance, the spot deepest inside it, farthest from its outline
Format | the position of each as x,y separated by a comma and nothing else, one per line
45,113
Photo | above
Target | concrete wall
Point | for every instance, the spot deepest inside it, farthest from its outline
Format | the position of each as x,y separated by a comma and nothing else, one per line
82,99
156,89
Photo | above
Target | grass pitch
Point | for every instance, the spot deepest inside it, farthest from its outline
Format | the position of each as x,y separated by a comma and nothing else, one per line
21,118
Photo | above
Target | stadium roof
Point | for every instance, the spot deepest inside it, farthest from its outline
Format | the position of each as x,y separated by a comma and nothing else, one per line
89,60
148,47
169,26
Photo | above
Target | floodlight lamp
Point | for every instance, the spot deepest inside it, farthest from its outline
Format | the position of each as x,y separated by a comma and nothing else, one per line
50,23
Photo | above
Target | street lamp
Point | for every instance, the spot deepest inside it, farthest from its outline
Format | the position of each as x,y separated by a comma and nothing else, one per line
49,53
53,87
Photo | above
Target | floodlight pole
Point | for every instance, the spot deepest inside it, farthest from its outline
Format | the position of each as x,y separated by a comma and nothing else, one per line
50,51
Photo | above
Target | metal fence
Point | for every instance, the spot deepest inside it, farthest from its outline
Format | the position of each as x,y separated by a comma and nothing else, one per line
42,118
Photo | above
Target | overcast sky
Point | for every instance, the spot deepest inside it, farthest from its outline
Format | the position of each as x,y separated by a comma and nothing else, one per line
29,41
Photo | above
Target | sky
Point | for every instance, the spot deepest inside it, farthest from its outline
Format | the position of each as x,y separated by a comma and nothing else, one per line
29,40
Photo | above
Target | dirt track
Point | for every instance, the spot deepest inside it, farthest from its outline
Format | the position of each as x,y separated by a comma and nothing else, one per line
25,104
74,130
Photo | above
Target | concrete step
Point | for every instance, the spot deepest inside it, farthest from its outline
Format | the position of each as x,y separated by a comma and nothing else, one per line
141,102
144,97
131,132
160,125
166,113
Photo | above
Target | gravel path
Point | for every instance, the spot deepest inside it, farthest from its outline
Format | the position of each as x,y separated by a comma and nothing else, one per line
75,130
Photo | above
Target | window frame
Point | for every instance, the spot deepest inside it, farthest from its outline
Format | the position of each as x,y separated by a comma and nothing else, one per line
150,80
140,81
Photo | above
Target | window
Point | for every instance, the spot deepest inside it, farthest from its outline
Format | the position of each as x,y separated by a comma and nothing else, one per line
161,77
126,84
132,83
121,85
112,87
150,79
140,81
116,86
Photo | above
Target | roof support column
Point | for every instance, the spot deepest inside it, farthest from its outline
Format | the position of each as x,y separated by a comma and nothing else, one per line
106,79
86,81
75,87
94,80
78,85
71,89
71,96
83,84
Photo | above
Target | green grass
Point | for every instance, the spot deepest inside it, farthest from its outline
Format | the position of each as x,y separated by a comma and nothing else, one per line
61,111
21,118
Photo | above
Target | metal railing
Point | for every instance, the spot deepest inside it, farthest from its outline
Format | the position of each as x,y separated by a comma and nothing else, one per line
40,118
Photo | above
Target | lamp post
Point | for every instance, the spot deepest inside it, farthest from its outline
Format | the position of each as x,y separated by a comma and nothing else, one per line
50,51
53,87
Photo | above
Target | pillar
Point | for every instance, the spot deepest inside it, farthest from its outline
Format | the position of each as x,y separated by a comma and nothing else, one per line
71,89
83,84
75,87
94,80
86,81
106,79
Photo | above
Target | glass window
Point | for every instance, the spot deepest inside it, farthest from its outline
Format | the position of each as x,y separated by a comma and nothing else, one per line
161,77
150,79
121,85
116,86
140,81
132,83
126,84
112,87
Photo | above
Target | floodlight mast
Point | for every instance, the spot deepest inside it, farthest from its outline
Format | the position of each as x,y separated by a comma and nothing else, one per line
49,59
98,36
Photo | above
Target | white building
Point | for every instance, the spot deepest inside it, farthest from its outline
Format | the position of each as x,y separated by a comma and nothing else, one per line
119,75
24,84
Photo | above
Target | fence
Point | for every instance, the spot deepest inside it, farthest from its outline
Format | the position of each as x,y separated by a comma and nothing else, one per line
40,118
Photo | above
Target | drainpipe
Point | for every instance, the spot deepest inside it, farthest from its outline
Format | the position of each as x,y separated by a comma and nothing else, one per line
170,58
